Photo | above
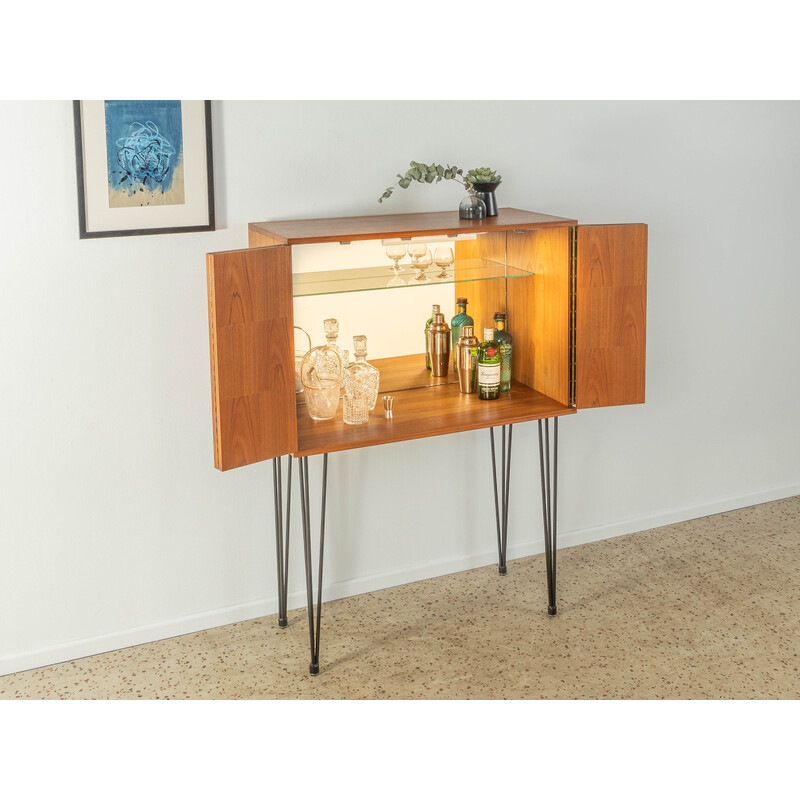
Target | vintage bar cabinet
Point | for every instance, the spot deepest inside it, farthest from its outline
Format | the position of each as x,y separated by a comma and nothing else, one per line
575,296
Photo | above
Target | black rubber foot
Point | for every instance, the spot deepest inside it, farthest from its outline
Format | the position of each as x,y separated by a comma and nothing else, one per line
313,669
551,611
503,570
283,623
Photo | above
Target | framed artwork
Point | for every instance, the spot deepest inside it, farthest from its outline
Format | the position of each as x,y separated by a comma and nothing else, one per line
144,166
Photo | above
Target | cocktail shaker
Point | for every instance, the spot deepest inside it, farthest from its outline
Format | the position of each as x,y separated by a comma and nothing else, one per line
467,360
439,346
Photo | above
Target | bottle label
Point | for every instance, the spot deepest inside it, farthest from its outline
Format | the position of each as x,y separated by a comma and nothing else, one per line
489,374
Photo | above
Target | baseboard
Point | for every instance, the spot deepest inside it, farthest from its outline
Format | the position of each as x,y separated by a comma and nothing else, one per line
225,616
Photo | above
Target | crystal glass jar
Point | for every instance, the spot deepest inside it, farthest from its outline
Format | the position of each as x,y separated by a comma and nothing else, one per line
321,375
360,385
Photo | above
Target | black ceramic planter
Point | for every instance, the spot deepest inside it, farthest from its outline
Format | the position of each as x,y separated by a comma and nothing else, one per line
486,192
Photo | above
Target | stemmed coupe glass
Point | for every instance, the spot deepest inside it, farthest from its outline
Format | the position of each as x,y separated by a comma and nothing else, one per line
396,252
443,257
420,261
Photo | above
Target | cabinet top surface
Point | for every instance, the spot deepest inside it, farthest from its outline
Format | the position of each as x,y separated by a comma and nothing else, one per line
307,231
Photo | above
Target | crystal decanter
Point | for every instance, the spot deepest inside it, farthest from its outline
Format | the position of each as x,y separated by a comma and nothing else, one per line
332,334
360,385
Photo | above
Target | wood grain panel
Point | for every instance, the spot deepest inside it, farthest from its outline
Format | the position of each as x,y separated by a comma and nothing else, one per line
258,237
611,315
252,366
383,226
485,297
420,413
538,310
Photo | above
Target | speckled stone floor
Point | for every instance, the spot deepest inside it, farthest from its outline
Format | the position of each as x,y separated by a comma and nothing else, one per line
706,609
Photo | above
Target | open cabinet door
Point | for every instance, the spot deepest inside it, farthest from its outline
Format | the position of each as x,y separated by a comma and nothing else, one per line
252,355
610,315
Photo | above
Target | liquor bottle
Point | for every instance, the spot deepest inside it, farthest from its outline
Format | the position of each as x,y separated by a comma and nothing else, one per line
503,340
361,381
456,325
488,367
439,346
427,328
467,361
332,334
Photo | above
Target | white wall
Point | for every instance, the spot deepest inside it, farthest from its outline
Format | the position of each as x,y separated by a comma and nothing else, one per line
115,527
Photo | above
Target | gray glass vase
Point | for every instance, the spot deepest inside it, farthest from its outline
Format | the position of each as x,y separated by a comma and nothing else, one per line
472,207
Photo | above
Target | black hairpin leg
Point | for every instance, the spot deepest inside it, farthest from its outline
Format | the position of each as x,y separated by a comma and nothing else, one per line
501,509
281,534
549,482
313,625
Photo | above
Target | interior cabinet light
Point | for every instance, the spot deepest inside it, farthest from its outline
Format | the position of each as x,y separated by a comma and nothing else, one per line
455,237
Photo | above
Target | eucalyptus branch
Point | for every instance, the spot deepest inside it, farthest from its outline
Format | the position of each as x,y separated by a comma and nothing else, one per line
434,173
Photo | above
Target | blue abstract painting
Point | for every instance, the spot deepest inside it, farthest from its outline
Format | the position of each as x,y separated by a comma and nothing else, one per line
144,147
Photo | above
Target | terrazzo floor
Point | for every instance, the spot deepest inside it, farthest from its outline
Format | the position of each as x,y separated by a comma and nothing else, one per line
706,609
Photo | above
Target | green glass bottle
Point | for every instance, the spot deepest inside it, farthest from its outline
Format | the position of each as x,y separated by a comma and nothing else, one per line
427,328
488,367
503,340
457,324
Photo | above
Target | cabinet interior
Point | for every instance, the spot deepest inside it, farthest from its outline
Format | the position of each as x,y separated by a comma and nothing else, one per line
525,274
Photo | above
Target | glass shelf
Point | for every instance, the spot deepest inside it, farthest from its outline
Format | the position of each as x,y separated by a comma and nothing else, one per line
306,284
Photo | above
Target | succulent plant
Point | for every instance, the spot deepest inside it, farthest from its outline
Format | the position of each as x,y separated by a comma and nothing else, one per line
433,173
483,175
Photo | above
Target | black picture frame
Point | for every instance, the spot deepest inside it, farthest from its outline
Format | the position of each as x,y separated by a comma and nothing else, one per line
86,228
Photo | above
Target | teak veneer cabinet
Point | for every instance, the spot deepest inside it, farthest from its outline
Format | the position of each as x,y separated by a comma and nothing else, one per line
575,296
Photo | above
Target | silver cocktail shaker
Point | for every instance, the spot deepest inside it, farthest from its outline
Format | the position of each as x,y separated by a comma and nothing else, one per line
467,360
439,346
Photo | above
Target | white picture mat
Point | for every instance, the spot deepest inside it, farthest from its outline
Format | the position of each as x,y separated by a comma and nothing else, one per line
100,217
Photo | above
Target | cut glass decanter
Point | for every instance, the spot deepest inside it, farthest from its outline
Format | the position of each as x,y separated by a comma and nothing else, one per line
360,385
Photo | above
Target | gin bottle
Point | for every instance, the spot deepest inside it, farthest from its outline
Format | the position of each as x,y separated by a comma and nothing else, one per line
503,340
488,367
428,324
457,324
360,385
332,334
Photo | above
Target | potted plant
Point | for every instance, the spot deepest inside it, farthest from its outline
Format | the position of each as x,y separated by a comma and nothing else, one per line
480,185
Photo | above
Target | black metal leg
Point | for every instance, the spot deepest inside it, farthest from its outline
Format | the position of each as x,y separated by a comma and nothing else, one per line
313,624
501,514
281,534
549,482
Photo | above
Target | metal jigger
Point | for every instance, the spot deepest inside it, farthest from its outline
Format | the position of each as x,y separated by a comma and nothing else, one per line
388,400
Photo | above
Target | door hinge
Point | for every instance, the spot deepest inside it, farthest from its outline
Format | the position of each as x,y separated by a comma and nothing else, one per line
573,309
